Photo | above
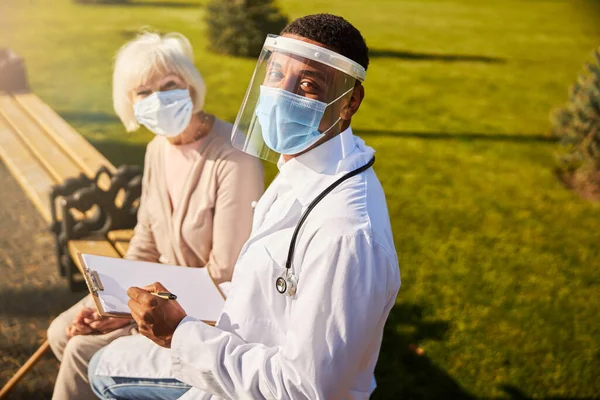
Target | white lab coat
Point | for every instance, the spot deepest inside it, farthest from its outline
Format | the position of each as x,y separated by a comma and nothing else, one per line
323,343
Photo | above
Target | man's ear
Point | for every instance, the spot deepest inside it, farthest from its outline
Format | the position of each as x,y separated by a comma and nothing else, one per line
358,94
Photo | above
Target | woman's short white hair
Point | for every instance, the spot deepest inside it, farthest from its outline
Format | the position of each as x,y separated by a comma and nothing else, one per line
147,55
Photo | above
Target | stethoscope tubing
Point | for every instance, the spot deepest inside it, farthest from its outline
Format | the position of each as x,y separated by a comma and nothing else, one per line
312,205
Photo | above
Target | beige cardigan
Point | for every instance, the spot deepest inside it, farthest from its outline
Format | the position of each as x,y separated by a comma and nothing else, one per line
214,217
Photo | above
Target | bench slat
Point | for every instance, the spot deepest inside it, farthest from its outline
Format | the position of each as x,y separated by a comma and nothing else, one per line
76,146
52,157
29,173
122,247
100,247
120,239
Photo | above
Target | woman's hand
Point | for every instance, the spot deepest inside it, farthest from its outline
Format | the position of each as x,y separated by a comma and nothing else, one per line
78,326
89,322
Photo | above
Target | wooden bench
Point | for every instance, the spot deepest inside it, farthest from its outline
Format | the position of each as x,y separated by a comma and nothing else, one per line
74,187
89,204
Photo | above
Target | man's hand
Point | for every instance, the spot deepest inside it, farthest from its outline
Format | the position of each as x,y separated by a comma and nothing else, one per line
157,318
89,322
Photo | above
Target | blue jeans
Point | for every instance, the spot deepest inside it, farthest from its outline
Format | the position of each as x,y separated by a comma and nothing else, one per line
107,387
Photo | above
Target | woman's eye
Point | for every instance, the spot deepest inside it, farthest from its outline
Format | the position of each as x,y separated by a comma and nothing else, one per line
144,93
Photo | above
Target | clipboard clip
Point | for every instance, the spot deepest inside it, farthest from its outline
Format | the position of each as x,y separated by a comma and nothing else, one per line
93,281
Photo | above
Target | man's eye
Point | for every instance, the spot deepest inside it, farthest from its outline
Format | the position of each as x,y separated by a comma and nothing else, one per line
309,87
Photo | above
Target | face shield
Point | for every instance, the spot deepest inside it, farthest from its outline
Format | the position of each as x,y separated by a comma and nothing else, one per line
297,95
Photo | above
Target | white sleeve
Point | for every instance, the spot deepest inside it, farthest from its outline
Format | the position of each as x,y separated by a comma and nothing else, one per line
343,295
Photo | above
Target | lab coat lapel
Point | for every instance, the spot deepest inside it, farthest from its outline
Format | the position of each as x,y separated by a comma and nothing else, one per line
262,207
303,176
262,227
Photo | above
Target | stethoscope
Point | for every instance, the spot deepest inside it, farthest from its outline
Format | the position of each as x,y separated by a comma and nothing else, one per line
287,283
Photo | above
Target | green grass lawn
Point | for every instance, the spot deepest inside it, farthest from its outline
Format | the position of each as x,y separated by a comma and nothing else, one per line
501,285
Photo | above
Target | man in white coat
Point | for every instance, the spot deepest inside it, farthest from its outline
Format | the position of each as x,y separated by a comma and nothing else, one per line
314,284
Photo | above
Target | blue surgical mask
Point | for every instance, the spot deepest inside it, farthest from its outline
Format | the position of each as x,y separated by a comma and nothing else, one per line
165,113
290,122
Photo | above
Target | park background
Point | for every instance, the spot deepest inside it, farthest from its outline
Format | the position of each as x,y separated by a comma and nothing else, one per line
499,261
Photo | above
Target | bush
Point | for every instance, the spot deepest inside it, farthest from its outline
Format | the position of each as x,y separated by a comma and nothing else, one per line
239,27
578,124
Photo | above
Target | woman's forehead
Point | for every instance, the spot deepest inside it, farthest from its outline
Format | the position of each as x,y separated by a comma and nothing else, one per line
156,78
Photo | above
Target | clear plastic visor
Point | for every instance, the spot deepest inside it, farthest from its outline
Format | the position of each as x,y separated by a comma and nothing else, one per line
293,99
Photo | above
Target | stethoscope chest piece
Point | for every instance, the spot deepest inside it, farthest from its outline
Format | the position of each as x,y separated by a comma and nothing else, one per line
287,284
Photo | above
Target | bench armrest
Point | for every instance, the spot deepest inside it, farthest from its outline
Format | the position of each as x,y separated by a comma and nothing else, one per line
82,208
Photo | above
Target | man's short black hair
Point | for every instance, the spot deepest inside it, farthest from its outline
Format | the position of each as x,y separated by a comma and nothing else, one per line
332,32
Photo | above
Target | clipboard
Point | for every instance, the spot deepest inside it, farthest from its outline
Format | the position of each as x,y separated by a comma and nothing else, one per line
93,279
94,284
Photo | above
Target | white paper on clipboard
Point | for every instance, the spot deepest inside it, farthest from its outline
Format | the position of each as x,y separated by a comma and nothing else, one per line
195,289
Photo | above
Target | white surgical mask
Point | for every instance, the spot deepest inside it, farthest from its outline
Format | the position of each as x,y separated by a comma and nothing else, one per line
165,113
290,122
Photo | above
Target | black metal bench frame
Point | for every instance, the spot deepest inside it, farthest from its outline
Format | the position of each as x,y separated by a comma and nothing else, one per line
99,208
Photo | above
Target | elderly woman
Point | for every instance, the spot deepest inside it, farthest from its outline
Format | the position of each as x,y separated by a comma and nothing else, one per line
197,190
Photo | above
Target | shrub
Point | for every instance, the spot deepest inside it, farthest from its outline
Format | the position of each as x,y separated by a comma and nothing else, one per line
239,27
578,126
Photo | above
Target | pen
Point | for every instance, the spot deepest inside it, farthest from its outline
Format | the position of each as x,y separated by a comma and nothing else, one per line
165,295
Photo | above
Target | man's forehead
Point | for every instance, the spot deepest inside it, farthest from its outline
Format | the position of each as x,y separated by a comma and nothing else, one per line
288,60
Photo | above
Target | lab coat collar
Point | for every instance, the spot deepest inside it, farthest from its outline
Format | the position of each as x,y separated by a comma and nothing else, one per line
302,172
